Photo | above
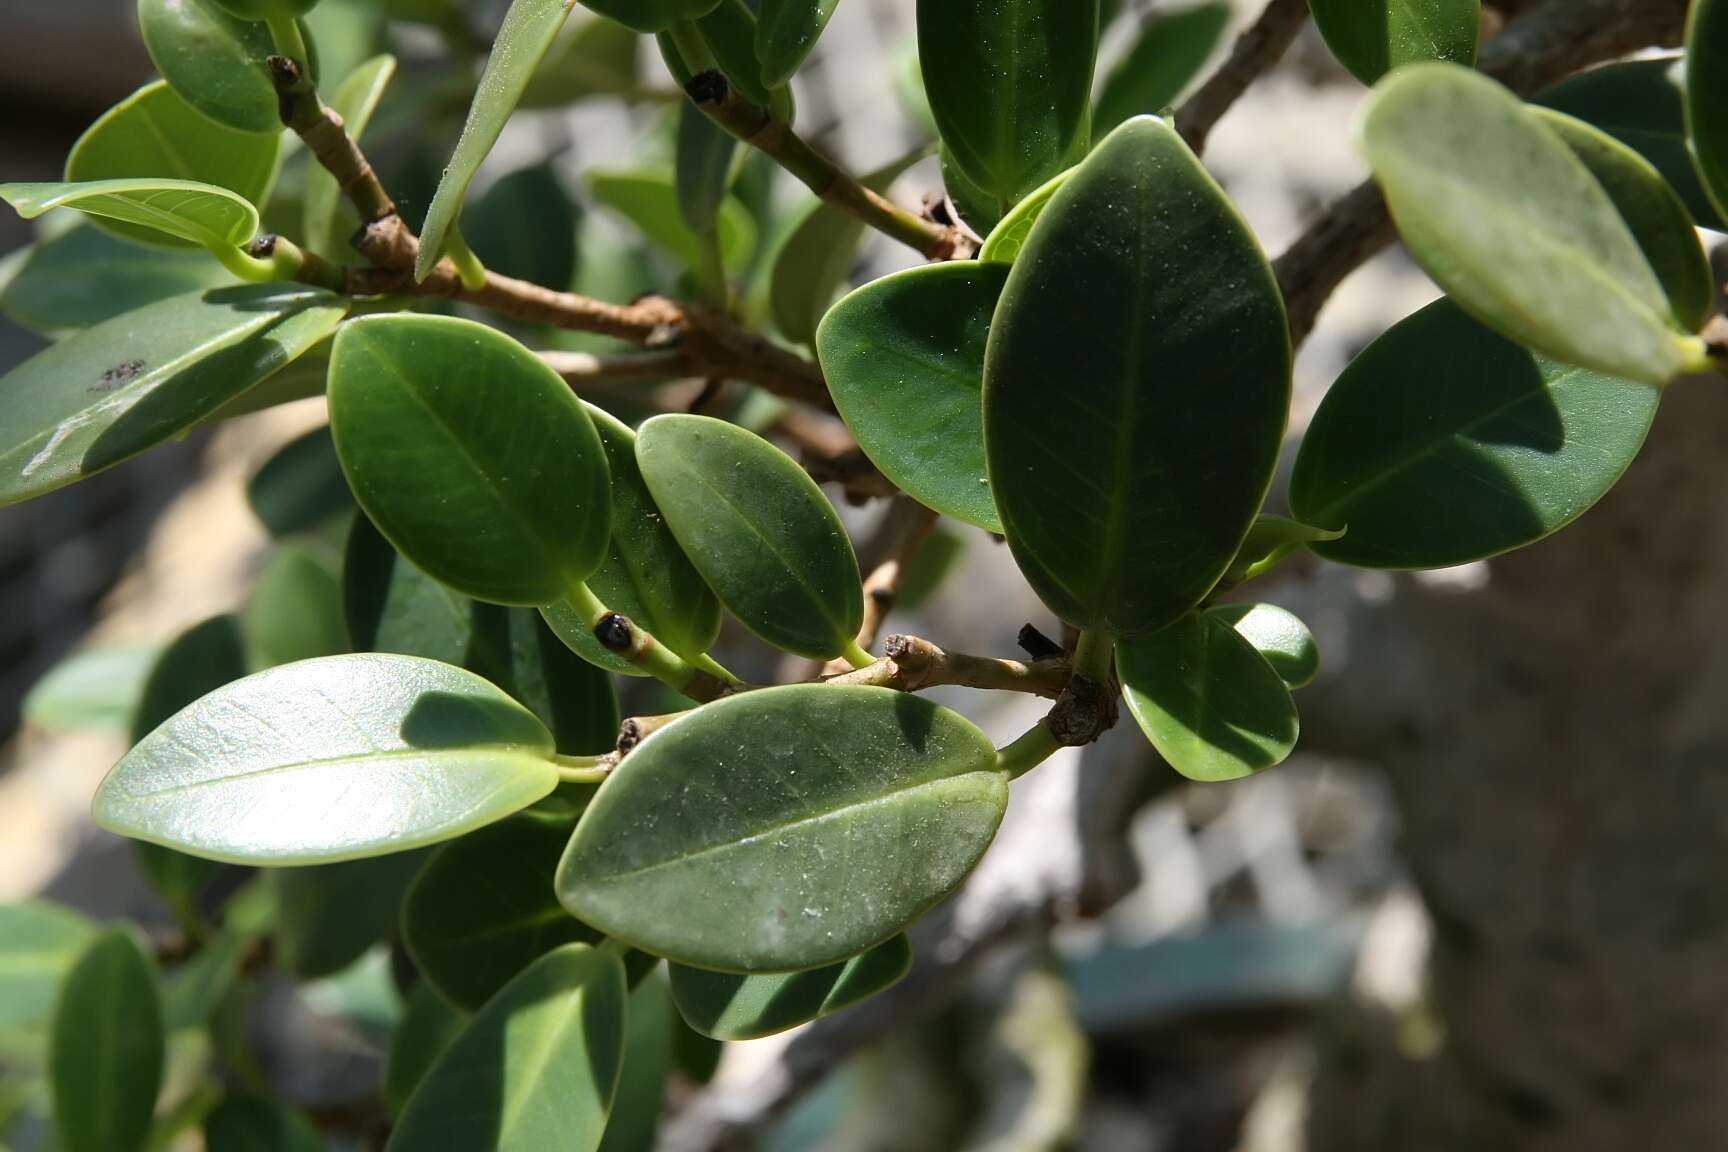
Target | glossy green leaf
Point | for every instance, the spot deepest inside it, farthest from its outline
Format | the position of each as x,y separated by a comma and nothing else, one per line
703,169
649,200
729,1006
646,575
471,456
1372,37
728,35
301,487
392,606
1135,387
1212,705
200,214
129,383
1706,94
650,15
328,760
294,612
242,1123
483,909
528,30
734,837
1277,635
1270,540
516,650
758,529
214,60
107,1048
39,943
154,135
329,916
51,291
818,255
1165,58
651,1032
91,688
1652,210
1444,443
1641,103
535,1069
904,359
786,30
428,1027
525,226
1513,226
1010,84
592,56
977,208
327,226
1009,236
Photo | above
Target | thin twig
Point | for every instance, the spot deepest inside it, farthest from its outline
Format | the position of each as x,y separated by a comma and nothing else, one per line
1259,47
912,664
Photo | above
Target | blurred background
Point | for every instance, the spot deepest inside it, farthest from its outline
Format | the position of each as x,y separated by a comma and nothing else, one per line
1480,908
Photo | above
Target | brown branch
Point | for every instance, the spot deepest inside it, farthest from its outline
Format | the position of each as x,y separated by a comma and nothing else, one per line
911,664
905,527
1259,47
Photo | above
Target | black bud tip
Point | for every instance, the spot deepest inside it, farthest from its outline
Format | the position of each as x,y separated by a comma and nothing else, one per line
1037,645
614,632
263,247
710,87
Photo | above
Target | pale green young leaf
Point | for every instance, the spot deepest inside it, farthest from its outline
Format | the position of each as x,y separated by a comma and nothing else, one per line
1279,636
200,214
649,200
91,688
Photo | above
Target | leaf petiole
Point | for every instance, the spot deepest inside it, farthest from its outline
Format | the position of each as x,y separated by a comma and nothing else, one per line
583,769
1028,751
285,34
469,270
855,655
626,639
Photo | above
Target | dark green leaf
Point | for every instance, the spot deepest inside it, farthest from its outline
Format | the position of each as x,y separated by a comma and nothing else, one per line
641,1096
91,688
1513,226
51,292
214,60
129,383
428,1026
525,226
327,224
786,30
1166,57
294,612
301,487
1641,103
329,760
154,134
1707,95
1652,210
758,529
734,837
256,1124
516,650
107,1048
646,575
904,358
535,1070
703,169
329,916
728,35
729,1006
1372,37
1210,703
1135,387
39,943
199,214
1010,83
1444,443
471,456
392,606
650,202
528,30
1277,635
484,908
977,207
650,15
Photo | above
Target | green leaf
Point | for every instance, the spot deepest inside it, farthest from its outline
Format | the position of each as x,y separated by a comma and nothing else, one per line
107,1048
977,208
153,134
758,529
1009,236
428,1027
1652,210
535,1069
327,228
1641,103
1211,704
1512,225
729,1006
194,993
471,456
786,30
329,916
39,943
592,56
328,760
525,226
649,200
1135,387
904,359
734,837
1372,37
215,61
703,169
1706,91
483,909
1277,635
1165,58
516,650
294,612
648,1053
1444,443
51,292
1268,542
728,34
392,606
650,15
91,688
645,575
130,383
255,1124
200,214
813,263
1010,84
301,488
528,30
